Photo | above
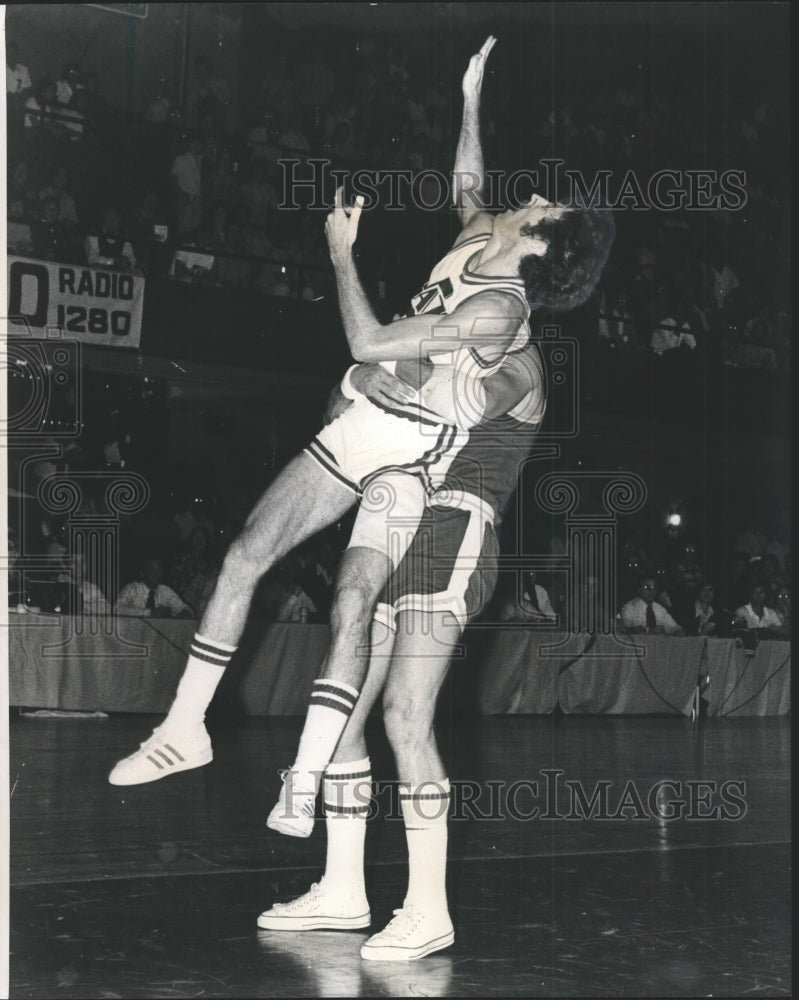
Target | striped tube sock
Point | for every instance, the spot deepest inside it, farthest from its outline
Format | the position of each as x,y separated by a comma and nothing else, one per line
347,791
207,662
425,809
329,710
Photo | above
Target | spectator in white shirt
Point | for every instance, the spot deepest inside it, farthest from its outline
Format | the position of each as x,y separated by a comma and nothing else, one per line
755,614
86,597
18,79
149,598
68,84
644,614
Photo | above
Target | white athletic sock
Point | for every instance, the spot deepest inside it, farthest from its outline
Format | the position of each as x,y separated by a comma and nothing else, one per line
425,810
347,792
207,662
329,710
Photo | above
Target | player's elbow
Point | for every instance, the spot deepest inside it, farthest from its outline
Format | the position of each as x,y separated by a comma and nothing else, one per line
364,350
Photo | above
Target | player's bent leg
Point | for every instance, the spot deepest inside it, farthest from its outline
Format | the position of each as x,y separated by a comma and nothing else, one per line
302,500
338,901
360,579
422,652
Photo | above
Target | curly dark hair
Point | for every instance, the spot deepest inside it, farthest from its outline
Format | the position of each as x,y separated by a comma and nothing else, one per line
578,245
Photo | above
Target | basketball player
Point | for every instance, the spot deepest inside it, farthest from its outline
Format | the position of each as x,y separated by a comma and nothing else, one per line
446,577
505,253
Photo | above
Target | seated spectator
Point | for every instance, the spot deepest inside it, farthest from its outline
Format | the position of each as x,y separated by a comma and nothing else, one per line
663,585
755,615
672,332
48,237
150,598
57,188
533,605
209,97
590,612
81,596
616,324
73,117
18,79
643,614
214,236
68,84
186,181
109,247
18,232
158,113
220,177
21,190
258,194
42,108
283,598
705,621
201,588
148,230
191,559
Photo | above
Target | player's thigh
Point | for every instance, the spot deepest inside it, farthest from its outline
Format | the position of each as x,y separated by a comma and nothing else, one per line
301,501
389,514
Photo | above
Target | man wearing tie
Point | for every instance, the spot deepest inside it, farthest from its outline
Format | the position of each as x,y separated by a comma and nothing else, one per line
644,614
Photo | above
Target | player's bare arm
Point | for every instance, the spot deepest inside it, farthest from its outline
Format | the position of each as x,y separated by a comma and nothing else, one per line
519,376
490,317
468,176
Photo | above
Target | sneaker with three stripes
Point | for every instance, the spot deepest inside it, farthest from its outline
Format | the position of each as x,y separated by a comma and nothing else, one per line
166,752
295,811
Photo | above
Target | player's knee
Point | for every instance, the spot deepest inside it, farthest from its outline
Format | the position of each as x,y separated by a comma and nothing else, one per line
407,724
240,568
353,604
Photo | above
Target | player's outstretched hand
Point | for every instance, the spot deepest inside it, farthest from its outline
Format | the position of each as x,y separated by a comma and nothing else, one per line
341,228
380,385
473,77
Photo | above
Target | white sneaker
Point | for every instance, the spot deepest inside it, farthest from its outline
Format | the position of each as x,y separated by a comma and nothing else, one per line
166,752
295,811
317,910
411,934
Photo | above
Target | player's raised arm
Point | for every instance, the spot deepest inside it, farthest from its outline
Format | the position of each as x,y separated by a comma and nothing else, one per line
491,317
468,176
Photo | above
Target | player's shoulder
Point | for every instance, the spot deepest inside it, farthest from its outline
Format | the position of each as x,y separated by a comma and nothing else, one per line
507,302
479,225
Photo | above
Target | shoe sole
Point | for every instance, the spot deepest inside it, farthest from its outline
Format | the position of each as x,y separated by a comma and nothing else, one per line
321,923
286,827
204,759
392,953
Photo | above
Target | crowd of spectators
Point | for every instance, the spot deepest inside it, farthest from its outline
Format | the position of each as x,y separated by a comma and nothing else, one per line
666,591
